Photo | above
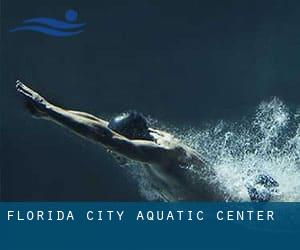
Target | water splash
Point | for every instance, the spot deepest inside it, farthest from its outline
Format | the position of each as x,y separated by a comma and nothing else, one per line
267,142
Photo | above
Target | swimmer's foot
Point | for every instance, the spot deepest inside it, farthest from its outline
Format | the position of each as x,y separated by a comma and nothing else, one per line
34,103
263,188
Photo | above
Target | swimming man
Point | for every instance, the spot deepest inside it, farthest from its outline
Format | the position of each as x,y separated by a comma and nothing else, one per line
129,135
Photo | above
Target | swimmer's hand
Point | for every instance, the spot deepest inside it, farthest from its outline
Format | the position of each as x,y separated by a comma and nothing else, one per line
35,103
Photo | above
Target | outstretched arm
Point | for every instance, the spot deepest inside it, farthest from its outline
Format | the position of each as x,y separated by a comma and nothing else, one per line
79,122
95,129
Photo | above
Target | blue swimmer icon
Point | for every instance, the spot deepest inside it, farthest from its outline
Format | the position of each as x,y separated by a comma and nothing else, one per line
53,27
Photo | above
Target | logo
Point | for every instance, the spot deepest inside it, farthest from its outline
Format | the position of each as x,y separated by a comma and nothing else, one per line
53,27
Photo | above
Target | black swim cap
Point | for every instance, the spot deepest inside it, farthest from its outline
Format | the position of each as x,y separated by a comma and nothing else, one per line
132,125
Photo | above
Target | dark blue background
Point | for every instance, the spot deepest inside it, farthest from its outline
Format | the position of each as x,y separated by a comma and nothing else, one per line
282,233
182,62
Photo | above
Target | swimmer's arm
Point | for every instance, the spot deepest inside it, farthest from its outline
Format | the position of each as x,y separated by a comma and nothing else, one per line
87,115
83,124
38,103
97,130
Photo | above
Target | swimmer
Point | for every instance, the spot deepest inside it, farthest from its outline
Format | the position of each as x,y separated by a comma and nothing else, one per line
129,136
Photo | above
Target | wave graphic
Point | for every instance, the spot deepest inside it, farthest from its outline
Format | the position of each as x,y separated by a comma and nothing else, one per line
53,27
53,23
268,141
48,31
